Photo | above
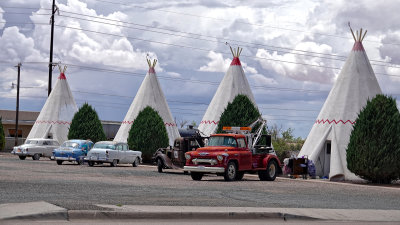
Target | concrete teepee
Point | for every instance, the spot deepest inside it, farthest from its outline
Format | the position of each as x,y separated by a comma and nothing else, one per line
149,94
328,139
233,84
57,113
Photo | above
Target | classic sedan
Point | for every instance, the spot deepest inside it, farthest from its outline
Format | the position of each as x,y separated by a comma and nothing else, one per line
72,151
36,147
114,153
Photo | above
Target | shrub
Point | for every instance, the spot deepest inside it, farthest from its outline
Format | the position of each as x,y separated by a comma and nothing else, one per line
148,133
86,125
373,152
240,112
2,136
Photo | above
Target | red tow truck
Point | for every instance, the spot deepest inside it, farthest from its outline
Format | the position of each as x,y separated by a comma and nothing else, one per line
234,153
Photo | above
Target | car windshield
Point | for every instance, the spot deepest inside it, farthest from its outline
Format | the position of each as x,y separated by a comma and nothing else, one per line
31,142
70,144
104,146
222,141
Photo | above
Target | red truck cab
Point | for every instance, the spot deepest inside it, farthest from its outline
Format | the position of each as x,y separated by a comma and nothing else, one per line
231,155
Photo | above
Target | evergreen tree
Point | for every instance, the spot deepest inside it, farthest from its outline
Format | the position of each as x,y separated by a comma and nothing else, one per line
2,136
148,133
240,112
373,152
86,125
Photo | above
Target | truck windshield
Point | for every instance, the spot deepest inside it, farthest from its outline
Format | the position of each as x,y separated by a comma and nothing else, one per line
222,141
104,146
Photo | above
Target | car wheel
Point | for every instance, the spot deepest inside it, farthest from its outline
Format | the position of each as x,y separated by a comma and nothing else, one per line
80,161
22,157
136,162
59,162
230,172
239,175
270,173
114,163
36,156
196,175
159,165
91,163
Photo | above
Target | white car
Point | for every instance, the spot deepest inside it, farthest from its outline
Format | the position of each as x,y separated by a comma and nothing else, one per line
114,153
36,147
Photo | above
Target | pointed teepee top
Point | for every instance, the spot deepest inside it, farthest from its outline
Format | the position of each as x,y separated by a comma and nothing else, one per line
358,38
151,65
235,54
62,72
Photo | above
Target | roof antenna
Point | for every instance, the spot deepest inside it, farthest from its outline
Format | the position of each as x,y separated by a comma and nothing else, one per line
352,33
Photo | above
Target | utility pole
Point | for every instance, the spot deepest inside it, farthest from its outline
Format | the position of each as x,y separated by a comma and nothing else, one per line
17,107
53,11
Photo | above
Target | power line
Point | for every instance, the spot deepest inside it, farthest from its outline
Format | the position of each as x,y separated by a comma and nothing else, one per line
227,20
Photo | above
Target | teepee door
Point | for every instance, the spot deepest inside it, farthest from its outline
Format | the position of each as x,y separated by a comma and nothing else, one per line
327,158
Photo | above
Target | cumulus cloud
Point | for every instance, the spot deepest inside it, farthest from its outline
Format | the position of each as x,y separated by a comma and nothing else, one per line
16,47
261,80
174,74
299,70
74,45
219,64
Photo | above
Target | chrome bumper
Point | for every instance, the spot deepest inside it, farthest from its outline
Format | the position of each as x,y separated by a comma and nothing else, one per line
97,159
204,169
20,153
63,158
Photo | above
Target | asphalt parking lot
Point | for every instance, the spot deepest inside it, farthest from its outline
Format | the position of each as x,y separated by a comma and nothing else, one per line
77,187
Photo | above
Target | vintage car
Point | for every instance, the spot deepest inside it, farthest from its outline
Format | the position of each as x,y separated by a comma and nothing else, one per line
72,151
114,153
36,147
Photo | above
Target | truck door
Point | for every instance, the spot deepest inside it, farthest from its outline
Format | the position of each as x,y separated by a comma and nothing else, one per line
244,155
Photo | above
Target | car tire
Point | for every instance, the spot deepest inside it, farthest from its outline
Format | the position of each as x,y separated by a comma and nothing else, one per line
269,174
159,165
59,162
196,175
22,157
136,162
80,161
36,156
239,175
230,171
91,163
114,163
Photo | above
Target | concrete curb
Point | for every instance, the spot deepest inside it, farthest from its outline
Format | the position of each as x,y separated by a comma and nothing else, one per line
123,215
40,216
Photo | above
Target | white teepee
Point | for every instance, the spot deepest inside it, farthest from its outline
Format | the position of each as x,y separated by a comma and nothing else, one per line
328,139
233,84
149,94
57,113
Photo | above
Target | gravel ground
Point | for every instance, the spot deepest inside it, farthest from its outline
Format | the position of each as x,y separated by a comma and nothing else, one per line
80,187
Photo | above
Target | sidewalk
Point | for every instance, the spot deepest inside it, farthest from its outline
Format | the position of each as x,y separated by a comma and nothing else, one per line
46,211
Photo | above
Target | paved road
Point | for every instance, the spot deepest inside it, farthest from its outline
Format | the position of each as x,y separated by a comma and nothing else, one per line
80,187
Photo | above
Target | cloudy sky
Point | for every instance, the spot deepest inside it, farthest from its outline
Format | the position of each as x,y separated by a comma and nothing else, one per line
292,51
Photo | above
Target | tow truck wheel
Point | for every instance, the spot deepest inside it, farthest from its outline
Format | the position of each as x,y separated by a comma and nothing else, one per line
270,173
239,175
91,163
36,157
22,157
160,165
59,162
196,175
230,172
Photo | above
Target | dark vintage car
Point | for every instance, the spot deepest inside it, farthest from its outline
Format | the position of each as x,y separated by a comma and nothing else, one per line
174,157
